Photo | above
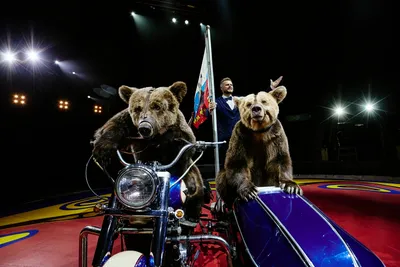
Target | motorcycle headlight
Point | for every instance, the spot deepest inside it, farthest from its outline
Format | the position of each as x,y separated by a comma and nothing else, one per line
136,187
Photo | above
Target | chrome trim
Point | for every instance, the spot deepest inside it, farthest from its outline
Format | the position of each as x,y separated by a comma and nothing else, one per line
135,231
292,241
353,257
182,239
83,243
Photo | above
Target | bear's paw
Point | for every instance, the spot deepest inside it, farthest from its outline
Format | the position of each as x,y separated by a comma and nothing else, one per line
103,152
291,187
247,191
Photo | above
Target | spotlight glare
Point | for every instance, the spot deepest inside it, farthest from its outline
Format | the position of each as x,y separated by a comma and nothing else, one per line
9,57
369,107
57,62
339,111
186,22
174,20
33,55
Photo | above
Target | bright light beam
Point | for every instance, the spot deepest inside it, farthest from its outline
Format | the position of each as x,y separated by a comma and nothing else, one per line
9,57
339,111
369,107
33,56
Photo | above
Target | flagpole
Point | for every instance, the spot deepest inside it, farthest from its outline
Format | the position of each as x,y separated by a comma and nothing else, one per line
212,96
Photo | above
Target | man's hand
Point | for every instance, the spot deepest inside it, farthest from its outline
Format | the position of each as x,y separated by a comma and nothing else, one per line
212,106
274,84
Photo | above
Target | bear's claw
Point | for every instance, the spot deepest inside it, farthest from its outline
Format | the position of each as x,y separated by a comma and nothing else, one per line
291,188
248,192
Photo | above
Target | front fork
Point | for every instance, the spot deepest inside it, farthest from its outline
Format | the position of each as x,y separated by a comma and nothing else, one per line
105,241
161,222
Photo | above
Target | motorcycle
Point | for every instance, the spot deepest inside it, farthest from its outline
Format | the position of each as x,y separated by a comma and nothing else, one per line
146,205
274,229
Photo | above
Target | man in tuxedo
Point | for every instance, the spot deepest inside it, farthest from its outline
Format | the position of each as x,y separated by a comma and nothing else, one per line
228,114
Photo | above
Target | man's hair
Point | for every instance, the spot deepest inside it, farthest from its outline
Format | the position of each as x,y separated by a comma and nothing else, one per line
223,80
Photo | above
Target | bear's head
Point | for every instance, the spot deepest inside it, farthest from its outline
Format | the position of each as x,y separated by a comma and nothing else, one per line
259,111
154,110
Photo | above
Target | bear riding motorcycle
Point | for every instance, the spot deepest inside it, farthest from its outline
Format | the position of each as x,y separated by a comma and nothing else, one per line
157,200
156,203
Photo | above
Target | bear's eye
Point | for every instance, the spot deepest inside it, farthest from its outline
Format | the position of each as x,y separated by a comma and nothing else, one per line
248,105
137,109
156,107
264,102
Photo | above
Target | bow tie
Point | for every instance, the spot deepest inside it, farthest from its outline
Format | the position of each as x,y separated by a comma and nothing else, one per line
228,98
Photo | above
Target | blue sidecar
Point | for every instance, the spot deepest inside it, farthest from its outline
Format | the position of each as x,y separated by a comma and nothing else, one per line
278,229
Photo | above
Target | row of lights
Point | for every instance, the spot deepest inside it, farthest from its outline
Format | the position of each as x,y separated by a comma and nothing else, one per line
367,107
174,20
21,99
10,57
33,55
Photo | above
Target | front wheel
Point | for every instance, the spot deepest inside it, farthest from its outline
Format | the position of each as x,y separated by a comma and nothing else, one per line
129,258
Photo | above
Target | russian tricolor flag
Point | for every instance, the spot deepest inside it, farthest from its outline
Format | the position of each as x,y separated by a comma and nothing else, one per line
201,103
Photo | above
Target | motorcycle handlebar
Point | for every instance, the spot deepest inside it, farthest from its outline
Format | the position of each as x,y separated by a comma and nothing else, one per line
199,145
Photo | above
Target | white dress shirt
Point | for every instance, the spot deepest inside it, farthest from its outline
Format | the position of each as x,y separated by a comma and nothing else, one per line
230,102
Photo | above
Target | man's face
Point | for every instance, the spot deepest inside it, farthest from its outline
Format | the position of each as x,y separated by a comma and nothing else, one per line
227,87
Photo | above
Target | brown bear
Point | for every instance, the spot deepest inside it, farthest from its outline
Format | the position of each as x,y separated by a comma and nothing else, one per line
258,153
156,129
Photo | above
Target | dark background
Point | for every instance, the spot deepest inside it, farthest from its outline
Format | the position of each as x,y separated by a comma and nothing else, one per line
327,52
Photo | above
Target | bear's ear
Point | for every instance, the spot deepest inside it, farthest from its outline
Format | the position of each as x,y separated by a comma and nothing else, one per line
179,89
237,100
125,92
279,93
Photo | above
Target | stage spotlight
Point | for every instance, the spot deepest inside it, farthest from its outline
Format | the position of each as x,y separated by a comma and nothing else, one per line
9,57
33,56
97,109
174,20
339,111
62,104
19,99
186,22
369,107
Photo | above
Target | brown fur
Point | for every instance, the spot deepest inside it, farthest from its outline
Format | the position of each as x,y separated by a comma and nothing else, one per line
258,153
160,108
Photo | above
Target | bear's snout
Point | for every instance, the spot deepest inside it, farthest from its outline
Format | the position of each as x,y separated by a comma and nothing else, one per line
256,110
145,129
